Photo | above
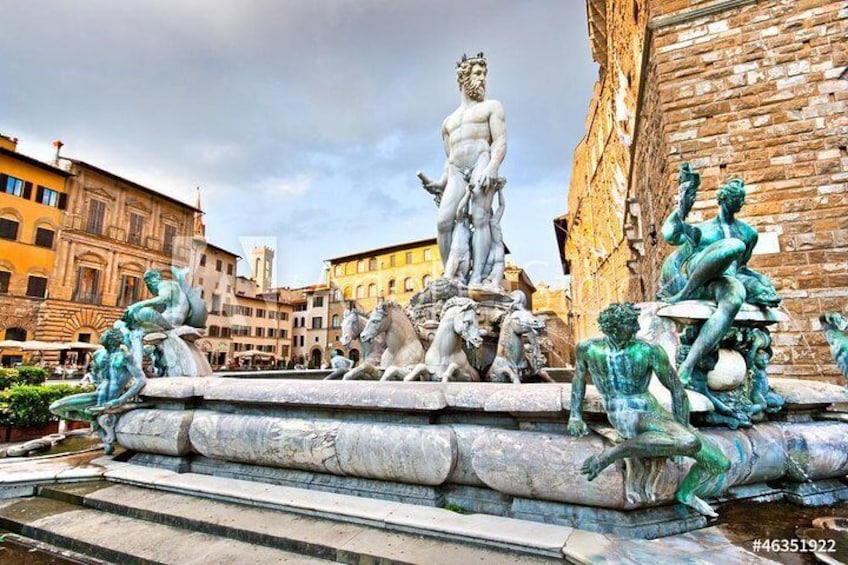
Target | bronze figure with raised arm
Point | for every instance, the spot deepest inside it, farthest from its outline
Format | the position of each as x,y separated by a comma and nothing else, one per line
712,264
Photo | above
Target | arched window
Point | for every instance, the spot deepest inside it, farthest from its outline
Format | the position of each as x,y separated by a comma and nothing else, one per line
425,281
335,322
347,293
372,290
360,291
392,286
360,266
408,285
337,295
372,264
339,270
16,334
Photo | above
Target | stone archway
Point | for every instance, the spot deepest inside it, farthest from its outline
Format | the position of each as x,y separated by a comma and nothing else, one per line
316,357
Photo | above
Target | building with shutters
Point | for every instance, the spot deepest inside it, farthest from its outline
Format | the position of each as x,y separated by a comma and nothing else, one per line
112,231
32,198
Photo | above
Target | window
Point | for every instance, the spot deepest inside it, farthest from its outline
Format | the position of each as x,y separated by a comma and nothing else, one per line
317,323
44,237
392,261
372,264
428,255
5,277
425,281
36,286
215,307
338,270
170,236
335,321
203,260
407,284
8,229
14,186
360,266
214,331
360,291
337,295
130,290
272,332
136,230
284,315
88,285
318,301
47,196
219,265
225,332
96,213
284,334
260,313
16,334
346,293
392,286
260,332
409,257
372,290
229,268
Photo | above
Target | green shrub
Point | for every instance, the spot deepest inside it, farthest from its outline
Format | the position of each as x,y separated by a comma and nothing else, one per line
28,405
8,377
31,375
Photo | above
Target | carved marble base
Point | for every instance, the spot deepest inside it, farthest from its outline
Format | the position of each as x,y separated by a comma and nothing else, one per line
180,355
734,376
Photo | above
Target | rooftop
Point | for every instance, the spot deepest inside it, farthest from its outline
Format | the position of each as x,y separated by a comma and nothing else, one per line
382,250
34,162
134,184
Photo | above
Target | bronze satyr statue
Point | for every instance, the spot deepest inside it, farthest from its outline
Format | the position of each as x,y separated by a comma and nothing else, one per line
621,366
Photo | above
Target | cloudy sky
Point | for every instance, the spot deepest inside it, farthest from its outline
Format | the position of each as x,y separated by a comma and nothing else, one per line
303,121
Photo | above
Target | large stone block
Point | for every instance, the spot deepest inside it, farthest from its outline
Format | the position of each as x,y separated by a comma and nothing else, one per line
546,466
165,432
816,450
292,443
463,472
423,455
361,394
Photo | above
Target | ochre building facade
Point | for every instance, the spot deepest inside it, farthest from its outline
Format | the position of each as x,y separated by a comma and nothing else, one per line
756,89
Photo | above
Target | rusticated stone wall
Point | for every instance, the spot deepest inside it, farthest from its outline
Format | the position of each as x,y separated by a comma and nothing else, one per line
756,90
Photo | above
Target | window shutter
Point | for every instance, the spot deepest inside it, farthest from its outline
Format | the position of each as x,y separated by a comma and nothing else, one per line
3,180
63,201
39,194
27,190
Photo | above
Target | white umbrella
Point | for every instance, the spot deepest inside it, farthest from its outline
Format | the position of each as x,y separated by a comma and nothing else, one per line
254,353
35,345
83,345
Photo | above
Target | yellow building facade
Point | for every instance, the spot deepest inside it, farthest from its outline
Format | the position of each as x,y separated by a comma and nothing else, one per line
395,272
32,200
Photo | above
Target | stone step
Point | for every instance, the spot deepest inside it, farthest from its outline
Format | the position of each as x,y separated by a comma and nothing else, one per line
310,536
121,539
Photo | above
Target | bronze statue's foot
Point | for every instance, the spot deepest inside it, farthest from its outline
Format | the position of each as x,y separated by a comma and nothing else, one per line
592,467
698,505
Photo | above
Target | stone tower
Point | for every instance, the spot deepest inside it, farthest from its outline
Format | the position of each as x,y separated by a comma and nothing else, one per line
262,267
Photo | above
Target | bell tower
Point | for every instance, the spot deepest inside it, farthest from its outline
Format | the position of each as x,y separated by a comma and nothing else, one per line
262,267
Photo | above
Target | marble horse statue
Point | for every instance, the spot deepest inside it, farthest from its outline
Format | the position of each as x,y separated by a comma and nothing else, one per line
403,348
353,323
445,359
518,351
172,320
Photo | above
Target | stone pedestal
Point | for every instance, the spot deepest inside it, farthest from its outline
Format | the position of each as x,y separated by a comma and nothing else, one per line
482,446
